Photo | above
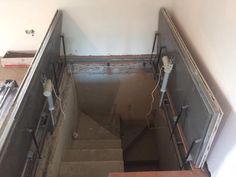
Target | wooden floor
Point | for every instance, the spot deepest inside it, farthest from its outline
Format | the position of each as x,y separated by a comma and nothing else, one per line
192,173
14,73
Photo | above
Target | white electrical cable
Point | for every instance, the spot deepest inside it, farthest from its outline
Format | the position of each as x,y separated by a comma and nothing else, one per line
60,102
153,98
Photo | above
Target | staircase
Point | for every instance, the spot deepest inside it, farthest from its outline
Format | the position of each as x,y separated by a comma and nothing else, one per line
136,138
95,153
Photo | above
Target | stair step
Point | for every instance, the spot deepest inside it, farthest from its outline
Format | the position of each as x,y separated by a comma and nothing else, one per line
132,130
141,122
93,155
90,168
146,165
145,144
96,144
112,123
90,129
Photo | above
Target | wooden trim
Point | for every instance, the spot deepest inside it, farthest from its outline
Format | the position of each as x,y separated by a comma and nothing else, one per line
184,173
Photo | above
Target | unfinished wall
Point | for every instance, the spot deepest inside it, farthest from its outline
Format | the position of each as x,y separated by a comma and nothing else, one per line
122,89
209,27
95,27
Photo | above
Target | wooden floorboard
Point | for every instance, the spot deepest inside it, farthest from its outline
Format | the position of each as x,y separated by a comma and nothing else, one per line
190,173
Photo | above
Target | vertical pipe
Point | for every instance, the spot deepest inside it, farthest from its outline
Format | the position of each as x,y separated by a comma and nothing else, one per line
159,55
55,78
64,48
153,47
48,93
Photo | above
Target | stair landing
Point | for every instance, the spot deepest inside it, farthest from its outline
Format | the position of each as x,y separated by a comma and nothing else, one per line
90,129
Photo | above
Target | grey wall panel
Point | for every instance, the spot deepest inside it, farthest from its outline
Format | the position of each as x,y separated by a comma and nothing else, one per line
188,87
29,103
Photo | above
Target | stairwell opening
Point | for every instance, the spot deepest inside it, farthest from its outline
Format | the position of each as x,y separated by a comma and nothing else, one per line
118,96
106,130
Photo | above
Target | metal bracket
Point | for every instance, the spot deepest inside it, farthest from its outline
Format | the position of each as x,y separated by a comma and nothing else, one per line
32,133
177,119
187,157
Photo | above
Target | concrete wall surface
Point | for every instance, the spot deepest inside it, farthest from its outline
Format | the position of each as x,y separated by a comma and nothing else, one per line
91,27
62,136
209,27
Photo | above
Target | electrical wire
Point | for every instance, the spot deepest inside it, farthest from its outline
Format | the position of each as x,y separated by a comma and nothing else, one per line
153,98
60,102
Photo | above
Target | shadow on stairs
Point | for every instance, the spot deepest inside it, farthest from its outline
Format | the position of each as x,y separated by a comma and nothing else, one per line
139,146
